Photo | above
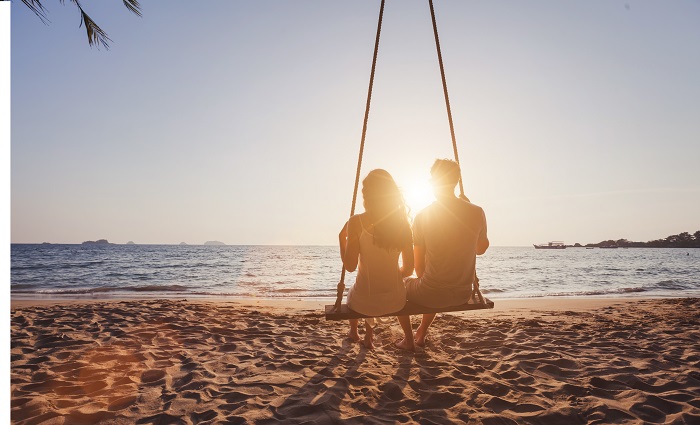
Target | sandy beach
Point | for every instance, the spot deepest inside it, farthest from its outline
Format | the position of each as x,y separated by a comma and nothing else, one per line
547,361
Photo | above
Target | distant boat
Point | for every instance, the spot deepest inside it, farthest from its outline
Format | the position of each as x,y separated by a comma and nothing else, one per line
551,245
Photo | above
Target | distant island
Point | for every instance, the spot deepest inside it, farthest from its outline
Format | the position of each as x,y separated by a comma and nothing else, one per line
98,242
214,243
183,243
130,243
681,240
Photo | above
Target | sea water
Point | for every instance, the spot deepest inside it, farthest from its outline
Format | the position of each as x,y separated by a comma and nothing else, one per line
312,272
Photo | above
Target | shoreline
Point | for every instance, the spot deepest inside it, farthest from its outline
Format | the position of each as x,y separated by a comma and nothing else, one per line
301,304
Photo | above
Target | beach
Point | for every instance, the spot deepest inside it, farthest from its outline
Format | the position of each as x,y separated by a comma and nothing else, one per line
210,361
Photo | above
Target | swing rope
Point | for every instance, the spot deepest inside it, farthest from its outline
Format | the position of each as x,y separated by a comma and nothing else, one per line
452,128
447,97
341,283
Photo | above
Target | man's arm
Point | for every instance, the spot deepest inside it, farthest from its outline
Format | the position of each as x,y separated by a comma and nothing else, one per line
419,259
418,246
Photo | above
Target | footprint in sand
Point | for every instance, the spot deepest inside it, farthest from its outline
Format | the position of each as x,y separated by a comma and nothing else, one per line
152,376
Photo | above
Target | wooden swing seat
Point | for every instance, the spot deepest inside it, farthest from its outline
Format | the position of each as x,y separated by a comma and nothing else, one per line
408,310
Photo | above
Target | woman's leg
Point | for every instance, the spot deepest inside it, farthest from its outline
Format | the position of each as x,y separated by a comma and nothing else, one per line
353,334
369,332
407,342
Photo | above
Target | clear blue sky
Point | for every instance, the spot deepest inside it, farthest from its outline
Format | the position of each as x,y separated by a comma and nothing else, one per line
240,121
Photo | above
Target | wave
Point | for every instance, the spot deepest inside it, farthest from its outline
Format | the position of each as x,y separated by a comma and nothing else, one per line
673,285
33,267
188,266
63,266
80,265
104,289
613,291
491,291
21,286
616,291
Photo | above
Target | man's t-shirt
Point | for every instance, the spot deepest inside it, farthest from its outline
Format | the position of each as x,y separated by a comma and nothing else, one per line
449,231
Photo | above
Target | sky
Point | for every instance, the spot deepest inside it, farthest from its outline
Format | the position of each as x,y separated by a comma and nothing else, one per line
240,121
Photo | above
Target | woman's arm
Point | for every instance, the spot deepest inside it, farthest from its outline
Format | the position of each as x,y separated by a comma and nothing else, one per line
343,239
482,243
349,239
407,260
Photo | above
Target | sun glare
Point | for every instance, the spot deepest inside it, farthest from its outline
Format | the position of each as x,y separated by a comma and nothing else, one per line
418,195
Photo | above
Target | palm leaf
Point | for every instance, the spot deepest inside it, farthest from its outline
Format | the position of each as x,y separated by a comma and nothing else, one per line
133,6
96,35
38,9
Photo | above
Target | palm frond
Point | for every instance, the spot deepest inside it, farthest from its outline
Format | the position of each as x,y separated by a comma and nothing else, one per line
133,6
96,35
77,3
38,9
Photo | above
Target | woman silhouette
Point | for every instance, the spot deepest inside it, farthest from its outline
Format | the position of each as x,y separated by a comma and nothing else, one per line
374,240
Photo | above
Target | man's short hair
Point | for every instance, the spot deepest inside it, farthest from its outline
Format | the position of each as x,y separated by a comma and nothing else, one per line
445,172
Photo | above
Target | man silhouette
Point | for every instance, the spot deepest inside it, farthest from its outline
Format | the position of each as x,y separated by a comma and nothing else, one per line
447,237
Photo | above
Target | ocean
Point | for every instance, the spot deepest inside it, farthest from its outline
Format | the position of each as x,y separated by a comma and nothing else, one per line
52,271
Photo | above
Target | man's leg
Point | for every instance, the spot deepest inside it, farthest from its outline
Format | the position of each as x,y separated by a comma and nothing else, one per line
417,296
422,330
407,342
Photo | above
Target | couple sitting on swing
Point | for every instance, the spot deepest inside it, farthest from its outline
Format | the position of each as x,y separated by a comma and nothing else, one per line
442,247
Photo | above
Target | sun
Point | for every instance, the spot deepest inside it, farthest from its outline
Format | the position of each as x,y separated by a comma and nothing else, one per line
418,195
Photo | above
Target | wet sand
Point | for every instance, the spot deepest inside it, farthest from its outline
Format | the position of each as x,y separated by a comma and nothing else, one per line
552,361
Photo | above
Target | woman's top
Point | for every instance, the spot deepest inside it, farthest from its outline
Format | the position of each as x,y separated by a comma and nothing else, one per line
378,288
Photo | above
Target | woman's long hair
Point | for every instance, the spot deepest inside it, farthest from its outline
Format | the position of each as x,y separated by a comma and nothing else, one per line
384,202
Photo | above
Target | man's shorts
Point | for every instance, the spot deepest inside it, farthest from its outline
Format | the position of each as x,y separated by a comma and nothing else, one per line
419,293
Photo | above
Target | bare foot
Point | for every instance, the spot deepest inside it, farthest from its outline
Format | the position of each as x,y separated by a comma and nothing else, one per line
369,338
419,338
405,345
353,335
